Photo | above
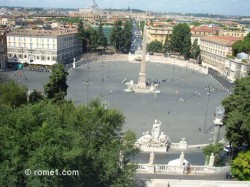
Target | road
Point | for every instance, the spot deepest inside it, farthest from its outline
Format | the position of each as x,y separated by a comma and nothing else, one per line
136,38
221,79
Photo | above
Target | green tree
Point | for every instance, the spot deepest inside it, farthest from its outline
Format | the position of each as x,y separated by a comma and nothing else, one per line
116,37
196,23
35,96
247,37
240,167
50,136
241,46
102,40
94,40
13,94
237,113
56,88
81,34
195,50
127,35
155,46
166,46
181,40
215,149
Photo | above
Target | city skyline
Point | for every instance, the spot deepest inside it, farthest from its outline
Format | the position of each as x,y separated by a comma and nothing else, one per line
223,7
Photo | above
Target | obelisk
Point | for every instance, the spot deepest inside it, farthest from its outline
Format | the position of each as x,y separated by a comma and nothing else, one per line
142,74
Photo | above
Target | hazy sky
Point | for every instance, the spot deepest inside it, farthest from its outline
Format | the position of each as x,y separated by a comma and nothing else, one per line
226,7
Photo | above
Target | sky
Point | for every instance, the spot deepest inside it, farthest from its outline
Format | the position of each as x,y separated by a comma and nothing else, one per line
223,7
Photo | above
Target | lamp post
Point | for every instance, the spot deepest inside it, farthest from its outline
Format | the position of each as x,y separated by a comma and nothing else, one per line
87,84
102,80
173,70
185,84
205,124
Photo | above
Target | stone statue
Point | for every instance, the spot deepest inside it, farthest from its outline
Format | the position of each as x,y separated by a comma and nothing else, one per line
121,159
144,140
163,138
152,157
152,88
220,111
141,139
147,138
183,143
156,130
131,83
181,159
211,160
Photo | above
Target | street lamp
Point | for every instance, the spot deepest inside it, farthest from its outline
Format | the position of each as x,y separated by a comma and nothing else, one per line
205,124
173,70
87,84
185,84
102,80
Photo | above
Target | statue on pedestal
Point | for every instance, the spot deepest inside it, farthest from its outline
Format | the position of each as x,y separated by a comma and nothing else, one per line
211,160
156,130
152,157
219,114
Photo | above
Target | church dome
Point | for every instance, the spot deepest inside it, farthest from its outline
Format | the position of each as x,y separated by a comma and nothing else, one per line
94,5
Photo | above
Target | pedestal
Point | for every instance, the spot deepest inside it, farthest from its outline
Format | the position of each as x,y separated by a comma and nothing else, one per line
217,125
142,81
151,168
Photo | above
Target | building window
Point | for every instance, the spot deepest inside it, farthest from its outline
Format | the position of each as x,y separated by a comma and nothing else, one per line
10,55
43,58
25,56
48,58
37,57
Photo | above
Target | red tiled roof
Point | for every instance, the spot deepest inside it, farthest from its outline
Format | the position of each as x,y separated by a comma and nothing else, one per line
222,40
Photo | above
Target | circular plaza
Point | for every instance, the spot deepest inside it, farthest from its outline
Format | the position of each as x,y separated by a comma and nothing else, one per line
185,106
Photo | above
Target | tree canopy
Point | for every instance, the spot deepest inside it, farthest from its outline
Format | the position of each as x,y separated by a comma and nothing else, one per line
102,40
13,94
237,113
82,35
215,149
181,40
155,46
240,167
50,136
166,46
242,45
56,88
121,36
195,50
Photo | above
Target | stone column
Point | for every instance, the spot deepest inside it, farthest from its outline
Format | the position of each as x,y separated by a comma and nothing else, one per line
217,125
142,74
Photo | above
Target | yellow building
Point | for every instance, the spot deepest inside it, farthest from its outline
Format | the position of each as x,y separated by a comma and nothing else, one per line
214,51
233,32
158,33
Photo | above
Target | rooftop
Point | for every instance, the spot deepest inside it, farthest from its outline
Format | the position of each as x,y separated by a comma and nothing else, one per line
31,32
222,40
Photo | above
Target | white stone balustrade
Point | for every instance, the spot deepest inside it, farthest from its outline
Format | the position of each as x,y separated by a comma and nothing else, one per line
194,170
